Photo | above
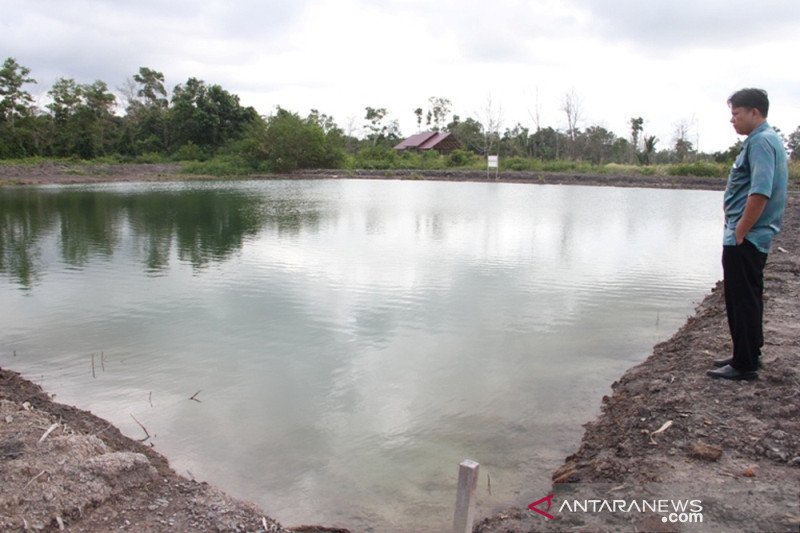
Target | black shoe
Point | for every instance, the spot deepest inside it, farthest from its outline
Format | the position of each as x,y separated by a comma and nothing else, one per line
719,363
728,372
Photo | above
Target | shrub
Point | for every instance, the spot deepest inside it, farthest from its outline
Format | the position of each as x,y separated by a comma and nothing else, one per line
515,163
460,158
376,158
794,170
698,168
189,152
221,166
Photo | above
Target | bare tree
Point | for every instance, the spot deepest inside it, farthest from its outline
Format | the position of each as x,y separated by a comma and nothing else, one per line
637,128
535,117
492,120
128,91
440,109
682,145
572,106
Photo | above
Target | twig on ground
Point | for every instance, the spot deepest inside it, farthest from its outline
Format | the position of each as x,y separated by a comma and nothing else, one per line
150,398
37,476
662,429
194,396
143,429
102,430
93,374
51,429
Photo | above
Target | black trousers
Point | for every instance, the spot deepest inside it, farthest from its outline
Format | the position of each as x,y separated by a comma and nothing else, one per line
743,270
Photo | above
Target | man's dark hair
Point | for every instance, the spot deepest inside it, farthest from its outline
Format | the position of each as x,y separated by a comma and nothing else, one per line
751,99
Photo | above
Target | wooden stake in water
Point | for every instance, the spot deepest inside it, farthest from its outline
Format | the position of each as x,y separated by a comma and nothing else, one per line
467,483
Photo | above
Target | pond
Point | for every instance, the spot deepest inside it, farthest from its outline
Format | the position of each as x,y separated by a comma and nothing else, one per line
332,349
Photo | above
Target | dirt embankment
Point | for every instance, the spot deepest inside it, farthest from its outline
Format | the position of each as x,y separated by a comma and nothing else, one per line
736,445
72,173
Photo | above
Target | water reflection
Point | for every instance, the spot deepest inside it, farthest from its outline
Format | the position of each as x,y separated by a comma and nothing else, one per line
203,225
353,340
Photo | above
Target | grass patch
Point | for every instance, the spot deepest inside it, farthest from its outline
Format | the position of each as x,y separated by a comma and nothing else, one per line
220,166
794,171
699,168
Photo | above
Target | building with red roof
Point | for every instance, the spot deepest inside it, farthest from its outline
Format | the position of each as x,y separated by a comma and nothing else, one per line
441,141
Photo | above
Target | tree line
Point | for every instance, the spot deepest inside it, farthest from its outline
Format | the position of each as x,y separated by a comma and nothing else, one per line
202,121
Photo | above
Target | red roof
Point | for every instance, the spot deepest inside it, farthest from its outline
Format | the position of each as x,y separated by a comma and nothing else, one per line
423,141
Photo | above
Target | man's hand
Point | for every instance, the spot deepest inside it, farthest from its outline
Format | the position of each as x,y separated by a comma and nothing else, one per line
752,211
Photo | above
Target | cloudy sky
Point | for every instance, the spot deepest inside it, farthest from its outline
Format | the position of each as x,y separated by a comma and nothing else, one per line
669,62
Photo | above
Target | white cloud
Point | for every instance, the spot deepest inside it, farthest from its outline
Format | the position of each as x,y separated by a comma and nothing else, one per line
664,61
680,25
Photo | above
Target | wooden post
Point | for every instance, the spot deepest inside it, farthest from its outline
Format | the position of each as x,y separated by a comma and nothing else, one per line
467,483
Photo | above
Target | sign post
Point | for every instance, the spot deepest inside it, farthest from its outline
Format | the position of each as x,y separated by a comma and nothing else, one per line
467,483
493,161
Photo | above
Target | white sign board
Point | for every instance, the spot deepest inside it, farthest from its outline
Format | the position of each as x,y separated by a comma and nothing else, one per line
494,161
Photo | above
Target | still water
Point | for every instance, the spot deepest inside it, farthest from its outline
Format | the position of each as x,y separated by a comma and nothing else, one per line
351,341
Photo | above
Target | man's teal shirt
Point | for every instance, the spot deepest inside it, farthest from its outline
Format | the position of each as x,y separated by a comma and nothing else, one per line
761,168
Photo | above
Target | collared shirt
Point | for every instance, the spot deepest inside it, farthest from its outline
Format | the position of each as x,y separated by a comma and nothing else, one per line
761,168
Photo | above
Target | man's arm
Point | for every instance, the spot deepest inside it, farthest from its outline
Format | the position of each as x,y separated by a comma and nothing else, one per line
752,211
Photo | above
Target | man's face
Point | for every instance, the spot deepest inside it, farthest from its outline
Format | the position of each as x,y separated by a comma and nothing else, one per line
745,119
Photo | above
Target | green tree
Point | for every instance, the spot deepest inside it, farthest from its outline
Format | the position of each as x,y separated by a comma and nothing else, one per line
596,145
15,103
516,142
649,149
18,124
418,113
146,121
83,118
469,133
379,129
793,143
287,142
549,144
730,154
151,90
206,115
66,98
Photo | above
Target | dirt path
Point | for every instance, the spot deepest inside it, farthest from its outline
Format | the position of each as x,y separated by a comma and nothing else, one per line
735,446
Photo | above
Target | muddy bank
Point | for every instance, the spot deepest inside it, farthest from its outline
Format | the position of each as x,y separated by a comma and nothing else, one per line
544,178
63,467
72,173
69,173
735,445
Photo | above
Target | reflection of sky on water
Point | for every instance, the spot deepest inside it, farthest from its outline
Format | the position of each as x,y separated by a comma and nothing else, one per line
355,340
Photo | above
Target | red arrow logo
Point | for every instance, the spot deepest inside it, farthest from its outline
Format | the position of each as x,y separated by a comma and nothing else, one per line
549,500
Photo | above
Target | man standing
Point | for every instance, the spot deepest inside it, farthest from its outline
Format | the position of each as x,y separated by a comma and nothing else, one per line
754,202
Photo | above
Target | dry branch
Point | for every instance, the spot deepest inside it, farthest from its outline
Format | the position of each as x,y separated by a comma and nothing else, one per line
51,429
37,476
143,429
